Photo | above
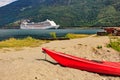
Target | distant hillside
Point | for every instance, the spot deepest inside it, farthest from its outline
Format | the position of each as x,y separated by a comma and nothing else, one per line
66,13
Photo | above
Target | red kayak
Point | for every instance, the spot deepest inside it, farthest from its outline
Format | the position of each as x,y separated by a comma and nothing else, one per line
102,67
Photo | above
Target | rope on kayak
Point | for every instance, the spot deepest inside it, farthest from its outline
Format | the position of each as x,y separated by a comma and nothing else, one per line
45,56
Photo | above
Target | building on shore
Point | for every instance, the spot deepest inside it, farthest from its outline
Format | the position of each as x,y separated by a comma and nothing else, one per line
110,30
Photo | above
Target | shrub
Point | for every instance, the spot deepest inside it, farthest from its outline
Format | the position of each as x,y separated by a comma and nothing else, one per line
115,44
99,47
53,34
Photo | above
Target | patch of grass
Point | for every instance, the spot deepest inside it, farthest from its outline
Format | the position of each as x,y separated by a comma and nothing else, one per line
114,43
99,47
26,42
73,36
53,34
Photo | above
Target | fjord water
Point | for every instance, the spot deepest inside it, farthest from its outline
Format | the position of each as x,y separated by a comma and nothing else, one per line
41,34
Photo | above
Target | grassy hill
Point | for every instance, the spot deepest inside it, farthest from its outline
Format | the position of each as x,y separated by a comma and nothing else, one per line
67,13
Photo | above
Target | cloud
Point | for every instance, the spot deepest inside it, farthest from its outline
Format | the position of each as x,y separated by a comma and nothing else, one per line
5,2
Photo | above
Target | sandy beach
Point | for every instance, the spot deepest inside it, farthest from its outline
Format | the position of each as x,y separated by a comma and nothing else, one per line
29,63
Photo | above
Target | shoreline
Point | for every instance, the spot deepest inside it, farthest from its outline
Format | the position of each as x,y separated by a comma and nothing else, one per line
29,63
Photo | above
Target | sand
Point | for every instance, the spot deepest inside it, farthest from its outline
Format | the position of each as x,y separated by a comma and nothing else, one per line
29,63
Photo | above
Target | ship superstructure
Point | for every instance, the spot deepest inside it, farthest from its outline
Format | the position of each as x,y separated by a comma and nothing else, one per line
48,24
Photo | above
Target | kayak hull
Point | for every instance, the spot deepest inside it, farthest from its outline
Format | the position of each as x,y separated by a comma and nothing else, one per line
110,68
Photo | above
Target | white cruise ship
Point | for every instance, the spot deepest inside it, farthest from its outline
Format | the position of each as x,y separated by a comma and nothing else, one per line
48,24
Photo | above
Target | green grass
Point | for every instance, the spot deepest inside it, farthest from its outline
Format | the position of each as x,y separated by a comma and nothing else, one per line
69,35
73,36
114,43
26,42
31,42
53,35
99,47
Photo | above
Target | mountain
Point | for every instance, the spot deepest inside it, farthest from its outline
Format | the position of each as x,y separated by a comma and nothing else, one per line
67,13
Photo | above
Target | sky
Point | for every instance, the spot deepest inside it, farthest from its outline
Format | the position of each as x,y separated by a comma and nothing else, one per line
5,2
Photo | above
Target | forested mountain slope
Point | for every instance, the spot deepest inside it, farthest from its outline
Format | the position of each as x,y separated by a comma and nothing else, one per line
64,12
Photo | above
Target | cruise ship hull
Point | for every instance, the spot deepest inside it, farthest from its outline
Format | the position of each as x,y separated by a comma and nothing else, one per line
46,27
48,24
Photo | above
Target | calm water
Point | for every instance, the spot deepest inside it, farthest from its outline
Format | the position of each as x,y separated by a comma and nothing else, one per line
18,33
